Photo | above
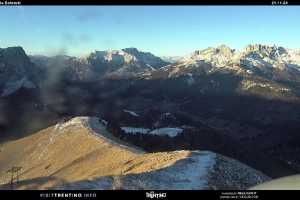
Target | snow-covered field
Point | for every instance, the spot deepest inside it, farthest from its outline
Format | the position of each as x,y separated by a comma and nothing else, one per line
166,131
135,130
171,132
131,113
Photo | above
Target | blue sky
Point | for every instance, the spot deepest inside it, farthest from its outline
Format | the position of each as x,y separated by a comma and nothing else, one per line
162,30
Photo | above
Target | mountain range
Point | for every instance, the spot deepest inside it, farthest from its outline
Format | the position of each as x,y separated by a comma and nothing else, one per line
260,67
216,99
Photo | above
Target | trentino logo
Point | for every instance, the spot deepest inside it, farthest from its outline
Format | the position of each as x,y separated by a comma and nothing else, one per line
157,195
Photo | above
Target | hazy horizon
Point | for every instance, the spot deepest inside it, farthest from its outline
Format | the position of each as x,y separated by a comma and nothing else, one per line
161,30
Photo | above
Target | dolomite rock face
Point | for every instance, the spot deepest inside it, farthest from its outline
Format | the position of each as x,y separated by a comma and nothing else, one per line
128,62
124,63
16,71
272,61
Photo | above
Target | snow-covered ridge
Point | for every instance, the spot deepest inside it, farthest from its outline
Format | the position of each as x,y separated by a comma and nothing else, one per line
76,121
96,128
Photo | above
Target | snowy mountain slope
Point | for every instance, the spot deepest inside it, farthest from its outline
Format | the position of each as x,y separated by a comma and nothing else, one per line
262,69
252,59
146,58
125,63
218,57
128,62
271,62
87,162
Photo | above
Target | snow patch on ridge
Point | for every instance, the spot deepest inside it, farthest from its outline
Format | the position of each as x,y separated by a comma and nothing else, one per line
76,121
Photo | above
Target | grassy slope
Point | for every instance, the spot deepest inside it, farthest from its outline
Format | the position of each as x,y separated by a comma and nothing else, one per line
52,157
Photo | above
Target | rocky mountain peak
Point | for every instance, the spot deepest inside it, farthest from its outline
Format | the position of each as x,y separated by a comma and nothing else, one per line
131,50
266,51
14,56
125,57
16,70
224,49
217,56
146,57
17,50
114,57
